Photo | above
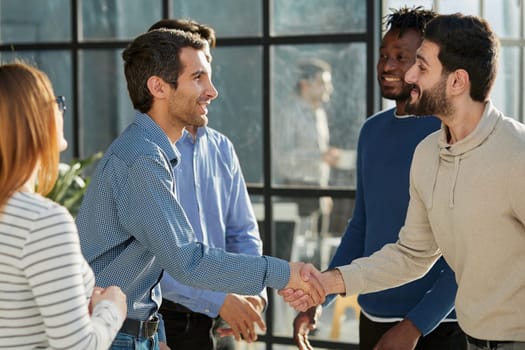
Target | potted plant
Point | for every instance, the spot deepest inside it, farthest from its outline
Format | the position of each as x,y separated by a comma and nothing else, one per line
72,183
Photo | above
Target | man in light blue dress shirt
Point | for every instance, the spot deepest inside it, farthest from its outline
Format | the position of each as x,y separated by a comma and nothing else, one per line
211,189
131,224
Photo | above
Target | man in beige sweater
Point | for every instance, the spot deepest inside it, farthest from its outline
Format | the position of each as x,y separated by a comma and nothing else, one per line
467,191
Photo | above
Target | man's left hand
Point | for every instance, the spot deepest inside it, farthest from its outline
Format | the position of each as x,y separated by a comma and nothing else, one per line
242,313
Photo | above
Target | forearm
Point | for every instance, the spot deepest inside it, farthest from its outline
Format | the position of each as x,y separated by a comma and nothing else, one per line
391,266
151,210
333,282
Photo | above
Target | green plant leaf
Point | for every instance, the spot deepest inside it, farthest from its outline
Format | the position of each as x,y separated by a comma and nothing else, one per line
72,183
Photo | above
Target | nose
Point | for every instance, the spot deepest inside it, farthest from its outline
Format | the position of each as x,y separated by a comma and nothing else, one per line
330,87
211,91
411,74
390,64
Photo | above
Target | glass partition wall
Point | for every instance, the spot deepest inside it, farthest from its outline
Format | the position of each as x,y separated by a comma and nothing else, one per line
261,45
295,78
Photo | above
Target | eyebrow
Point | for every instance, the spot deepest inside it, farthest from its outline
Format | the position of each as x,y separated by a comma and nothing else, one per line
199,72
419,57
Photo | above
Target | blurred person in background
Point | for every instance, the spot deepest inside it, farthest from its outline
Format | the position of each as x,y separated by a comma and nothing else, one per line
302,155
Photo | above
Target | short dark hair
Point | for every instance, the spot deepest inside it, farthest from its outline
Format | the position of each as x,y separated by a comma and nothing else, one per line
406,18
466,42
188,25
155,53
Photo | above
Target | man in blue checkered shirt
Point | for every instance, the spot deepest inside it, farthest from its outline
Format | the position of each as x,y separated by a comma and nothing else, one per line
130,223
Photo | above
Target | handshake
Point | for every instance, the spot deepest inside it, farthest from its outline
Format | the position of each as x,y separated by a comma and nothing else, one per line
308,286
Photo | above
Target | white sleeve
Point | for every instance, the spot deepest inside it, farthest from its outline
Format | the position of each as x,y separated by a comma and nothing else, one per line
61,282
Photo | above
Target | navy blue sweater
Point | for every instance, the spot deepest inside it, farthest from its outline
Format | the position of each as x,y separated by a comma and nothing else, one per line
384,154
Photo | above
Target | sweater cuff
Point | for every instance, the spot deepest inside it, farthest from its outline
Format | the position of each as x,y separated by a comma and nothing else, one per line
352,278
420,324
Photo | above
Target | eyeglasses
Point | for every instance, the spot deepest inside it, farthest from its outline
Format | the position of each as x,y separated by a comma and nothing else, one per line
61,102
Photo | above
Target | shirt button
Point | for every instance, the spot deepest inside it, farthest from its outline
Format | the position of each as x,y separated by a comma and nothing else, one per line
207,310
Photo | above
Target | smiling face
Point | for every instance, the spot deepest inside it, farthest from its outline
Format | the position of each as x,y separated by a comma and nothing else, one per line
396,55
188,103
429,93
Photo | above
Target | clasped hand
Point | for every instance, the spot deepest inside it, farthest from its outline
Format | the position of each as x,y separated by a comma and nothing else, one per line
304,289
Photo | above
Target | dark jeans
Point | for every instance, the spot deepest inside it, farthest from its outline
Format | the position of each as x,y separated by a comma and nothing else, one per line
447,336
187,330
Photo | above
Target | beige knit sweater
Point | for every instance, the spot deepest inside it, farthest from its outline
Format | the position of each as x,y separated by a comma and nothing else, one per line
467,201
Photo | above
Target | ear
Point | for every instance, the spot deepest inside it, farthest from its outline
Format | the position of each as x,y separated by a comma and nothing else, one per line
157,87
459,82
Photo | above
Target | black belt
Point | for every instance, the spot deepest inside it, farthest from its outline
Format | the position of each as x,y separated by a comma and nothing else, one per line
136,328
489,344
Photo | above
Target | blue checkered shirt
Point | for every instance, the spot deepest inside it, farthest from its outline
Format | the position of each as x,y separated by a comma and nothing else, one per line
132,227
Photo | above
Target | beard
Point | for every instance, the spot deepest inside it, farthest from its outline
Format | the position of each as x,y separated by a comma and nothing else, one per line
184,111
431,102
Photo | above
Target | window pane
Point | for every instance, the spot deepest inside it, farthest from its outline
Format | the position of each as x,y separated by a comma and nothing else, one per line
35,21
506,91
307,229
258,209
237,112
294,239
292,17
347,332
467,7
504,17
118,19
57,65
302,233
242,345
224,15
105,106
313,117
